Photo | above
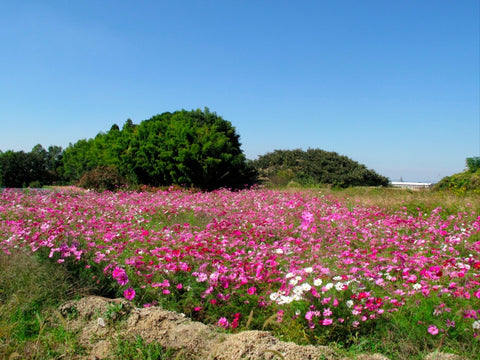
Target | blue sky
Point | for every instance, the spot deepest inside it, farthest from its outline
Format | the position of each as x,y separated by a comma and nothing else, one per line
391,84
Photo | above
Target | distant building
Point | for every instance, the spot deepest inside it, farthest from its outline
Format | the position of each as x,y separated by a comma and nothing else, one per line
411,185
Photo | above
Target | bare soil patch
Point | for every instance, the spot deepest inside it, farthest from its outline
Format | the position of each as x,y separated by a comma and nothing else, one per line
99,321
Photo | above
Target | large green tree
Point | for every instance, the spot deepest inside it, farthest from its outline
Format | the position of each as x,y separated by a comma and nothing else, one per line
190,148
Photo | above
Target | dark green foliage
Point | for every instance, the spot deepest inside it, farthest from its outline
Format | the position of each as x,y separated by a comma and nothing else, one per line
102,178
36,168
473,163
189,148
313,167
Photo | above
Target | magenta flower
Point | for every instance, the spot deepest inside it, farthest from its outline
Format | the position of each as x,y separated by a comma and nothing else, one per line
326,322
122,280
120,275
129,294
223,322
327,312
432,329
251,290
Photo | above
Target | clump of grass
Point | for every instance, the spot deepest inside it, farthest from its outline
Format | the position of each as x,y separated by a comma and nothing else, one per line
30,291
138,349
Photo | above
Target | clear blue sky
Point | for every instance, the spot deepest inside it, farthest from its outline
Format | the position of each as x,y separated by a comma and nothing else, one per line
391,84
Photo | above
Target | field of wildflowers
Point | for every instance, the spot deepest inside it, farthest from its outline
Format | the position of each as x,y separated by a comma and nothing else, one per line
308,267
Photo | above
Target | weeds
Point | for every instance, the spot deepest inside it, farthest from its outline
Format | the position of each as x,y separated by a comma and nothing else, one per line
30,327
138,349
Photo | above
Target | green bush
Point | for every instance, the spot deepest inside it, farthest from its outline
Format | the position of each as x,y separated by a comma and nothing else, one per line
473,163
461,183
315,167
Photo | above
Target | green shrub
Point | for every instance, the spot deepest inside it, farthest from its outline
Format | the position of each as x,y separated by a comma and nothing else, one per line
461,183
473,163
313,167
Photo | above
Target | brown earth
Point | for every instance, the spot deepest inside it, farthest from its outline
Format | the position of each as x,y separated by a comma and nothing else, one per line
98,322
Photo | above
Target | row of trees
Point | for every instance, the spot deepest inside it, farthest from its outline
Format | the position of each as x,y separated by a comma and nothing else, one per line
188,148
35,168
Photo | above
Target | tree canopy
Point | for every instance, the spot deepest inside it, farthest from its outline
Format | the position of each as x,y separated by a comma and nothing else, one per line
35,168
194,148
189,148
313,167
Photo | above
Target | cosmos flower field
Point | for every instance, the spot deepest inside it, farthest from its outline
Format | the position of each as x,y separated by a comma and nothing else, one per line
243,259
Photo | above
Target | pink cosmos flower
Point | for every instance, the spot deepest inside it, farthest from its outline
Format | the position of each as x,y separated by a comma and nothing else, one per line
327,312
450,323
120,275
117,272
129,294
251,290
326,322
477,294
280,315
432,329
223,322
122,280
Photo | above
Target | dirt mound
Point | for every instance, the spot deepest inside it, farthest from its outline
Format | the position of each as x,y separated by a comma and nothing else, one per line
99,320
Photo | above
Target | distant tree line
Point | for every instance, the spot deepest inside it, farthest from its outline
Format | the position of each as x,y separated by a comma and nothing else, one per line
35,168
194,148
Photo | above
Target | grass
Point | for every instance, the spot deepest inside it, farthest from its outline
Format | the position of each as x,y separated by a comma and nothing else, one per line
138,349
30,292
31,289
413,201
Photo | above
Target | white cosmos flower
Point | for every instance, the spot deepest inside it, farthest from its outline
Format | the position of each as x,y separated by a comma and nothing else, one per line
298,290
339,286
317,282
284,300
349,303
296,297
306,286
